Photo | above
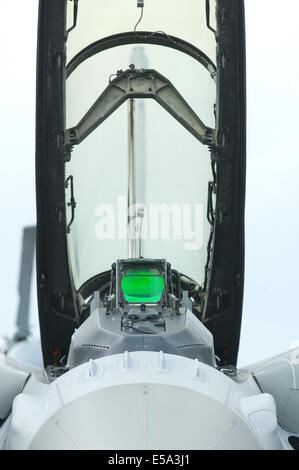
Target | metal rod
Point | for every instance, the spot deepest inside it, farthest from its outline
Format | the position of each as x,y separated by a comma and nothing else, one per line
131,181
139,58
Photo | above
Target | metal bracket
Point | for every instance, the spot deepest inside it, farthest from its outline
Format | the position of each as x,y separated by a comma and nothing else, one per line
210,207
75,16
208,16
72,202
143,83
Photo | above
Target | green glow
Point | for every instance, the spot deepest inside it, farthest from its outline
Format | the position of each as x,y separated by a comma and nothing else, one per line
142,286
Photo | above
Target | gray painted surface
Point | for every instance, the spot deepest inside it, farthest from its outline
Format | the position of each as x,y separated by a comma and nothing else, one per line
102,335
280,377
144,416
11,384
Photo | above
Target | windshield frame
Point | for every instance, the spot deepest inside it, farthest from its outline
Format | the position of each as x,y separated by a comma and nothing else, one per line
60,306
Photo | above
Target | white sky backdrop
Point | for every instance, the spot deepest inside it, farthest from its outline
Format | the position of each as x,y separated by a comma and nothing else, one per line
271,311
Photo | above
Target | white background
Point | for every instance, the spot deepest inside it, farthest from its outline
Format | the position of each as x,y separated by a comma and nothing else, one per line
271,312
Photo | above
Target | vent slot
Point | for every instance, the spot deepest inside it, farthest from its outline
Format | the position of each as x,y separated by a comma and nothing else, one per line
94,346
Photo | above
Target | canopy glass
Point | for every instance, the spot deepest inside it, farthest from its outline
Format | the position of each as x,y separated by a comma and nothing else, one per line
141,178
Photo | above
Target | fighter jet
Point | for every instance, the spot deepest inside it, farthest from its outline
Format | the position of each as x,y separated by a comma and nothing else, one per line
140,190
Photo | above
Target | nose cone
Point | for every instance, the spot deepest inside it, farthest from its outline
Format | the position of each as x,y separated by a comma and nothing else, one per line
144,416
